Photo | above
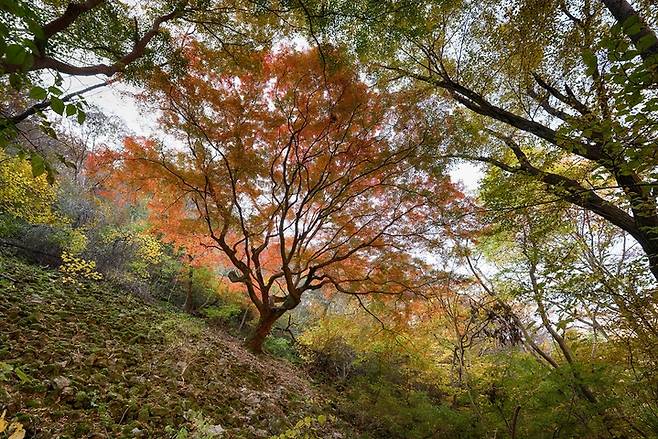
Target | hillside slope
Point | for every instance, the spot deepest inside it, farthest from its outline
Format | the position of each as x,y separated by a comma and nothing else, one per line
92,361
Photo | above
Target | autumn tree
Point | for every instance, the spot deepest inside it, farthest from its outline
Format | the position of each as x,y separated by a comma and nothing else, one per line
563,92
299,174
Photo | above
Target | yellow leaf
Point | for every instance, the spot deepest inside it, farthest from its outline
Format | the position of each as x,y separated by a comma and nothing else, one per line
3,423
19,432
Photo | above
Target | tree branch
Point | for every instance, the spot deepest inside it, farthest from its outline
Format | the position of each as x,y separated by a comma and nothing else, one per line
44,104
623,12
43,61
73,11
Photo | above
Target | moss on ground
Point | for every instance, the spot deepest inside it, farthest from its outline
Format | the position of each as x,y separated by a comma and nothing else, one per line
90,360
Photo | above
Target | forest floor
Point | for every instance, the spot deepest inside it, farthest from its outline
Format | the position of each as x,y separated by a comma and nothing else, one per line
90,360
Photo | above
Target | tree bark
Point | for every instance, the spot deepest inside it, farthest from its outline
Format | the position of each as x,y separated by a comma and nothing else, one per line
265,324
45,104
641,226
515,420
73,11
644,221
623,11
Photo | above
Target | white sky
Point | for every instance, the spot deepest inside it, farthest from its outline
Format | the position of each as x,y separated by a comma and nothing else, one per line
118,100
468,175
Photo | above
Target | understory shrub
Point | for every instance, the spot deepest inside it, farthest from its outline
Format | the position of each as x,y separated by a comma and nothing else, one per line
281,347
225,314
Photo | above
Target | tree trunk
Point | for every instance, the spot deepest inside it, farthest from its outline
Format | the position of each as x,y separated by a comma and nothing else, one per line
650,247
623,12
265,323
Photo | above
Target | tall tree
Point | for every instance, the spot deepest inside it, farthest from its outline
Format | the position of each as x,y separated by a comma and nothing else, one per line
301,176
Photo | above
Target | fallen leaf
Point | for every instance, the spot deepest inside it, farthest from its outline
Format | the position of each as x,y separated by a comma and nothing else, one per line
19,431
3,423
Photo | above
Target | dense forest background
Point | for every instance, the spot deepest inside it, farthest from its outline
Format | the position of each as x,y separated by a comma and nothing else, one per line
200,198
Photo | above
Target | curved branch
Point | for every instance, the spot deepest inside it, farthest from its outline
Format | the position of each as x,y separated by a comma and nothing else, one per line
45,104
73,11
42,61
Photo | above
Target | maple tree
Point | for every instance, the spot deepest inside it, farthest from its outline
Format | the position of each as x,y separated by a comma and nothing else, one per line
297,173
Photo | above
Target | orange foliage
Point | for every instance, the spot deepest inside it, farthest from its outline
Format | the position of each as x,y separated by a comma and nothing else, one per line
296,172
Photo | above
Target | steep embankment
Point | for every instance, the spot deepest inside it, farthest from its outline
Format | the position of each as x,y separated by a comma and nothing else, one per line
92,361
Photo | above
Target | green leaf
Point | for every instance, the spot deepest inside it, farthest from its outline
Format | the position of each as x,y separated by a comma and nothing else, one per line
12,6
646,41
48,130
27,63
628,55
81,117
589,58
631,21
5,368
65,162
36,30
38,93
322,419
57,105
632,30
50,176
71,109
15,54
55,90
38,165
22,375
16,81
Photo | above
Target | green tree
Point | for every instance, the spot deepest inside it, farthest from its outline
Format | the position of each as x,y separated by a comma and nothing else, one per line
570,277
561,91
